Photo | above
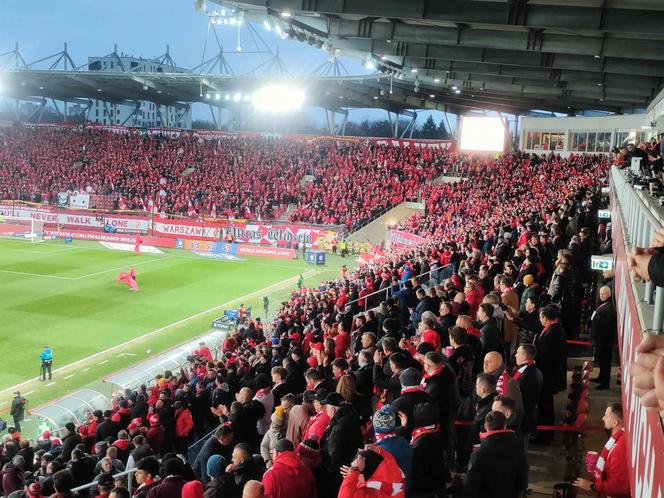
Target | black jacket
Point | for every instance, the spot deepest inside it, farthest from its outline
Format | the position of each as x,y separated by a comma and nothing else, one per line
530,383
498,469
211,447
69,443
364,380
341,441
406,403
551,358
491,339
604,326
107,429
244,423
231,485
429,470
444,389
477,426
462,362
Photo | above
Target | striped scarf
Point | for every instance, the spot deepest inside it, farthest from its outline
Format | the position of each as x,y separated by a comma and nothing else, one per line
420,431
521,369
501,383
610,444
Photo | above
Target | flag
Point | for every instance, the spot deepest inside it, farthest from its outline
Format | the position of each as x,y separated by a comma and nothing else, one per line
150,203
191,211
213,211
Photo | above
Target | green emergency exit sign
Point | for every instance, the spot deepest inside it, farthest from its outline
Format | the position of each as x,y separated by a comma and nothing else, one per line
601,263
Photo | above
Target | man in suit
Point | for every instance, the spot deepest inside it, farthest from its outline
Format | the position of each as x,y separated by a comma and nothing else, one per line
529,378
604,329
551,359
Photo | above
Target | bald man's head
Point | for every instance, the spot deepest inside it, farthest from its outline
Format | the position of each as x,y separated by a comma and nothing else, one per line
492,361
604,293
253,489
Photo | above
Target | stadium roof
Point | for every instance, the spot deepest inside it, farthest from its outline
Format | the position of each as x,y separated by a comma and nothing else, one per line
331,92
557,55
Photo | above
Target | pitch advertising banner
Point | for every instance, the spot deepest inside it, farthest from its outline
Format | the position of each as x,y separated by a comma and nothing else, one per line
645,438
399,239
246,233
76,219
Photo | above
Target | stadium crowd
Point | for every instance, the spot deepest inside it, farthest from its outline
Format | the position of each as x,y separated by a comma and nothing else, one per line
423,375
248,178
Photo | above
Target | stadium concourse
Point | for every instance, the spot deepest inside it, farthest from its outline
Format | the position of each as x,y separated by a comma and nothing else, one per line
456,375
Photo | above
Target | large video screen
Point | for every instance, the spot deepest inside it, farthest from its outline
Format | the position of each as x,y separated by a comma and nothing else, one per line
482,134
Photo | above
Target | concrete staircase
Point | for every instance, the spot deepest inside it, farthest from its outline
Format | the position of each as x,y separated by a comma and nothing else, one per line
376,231
284,216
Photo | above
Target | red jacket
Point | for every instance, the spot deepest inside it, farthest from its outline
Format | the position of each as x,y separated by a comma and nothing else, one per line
388,481
341,344
288,478
474,299
183,423
614,481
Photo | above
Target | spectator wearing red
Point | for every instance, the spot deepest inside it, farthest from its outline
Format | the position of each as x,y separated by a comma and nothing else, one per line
611,476
288,477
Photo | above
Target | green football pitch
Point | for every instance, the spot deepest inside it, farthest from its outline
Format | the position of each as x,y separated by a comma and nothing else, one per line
67,296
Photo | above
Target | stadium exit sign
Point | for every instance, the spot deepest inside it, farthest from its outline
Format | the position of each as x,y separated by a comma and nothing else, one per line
604,214
602,263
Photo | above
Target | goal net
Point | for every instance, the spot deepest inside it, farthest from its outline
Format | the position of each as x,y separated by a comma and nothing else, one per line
21,228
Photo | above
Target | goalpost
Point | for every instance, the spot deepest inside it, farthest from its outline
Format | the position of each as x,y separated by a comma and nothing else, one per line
21,228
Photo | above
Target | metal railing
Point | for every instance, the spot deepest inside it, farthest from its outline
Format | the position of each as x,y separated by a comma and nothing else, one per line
641,217
93,484
437,276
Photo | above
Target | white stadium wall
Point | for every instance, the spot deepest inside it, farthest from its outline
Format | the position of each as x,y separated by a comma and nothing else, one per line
596,134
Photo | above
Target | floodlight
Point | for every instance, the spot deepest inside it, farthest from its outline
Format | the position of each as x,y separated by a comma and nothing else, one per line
369,65
233,21
482,133
436,80
207,96
455,87
286,14
278,98
432,96
217,96
237,97
238,48
457,92
414,70
227,96
267,25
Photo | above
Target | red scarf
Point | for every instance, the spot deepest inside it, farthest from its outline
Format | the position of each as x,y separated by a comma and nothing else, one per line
427,376
381,437
262,392
501,384
522,369
610,444
414,389
486,434
544,330
420,431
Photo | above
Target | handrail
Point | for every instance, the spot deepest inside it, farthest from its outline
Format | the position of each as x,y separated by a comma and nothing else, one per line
639,220
119,474
387,289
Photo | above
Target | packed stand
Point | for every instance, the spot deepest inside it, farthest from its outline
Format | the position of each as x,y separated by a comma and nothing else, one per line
244,177
436,389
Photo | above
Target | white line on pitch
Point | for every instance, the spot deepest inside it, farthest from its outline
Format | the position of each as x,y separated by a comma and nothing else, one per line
120,268
102,362
68,376
259,292
50,384
82,276
29,392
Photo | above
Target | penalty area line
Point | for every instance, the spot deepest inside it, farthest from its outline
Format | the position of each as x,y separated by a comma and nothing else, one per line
259,292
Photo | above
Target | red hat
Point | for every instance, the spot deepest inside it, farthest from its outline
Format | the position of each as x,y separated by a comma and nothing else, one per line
46,435
312,362
193,489
34,490
135,423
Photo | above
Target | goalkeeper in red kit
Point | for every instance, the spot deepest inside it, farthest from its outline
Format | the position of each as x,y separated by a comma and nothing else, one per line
137,244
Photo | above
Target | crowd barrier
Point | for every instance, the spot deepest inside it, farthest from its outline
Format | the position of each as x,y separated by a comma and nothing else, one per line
633,224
